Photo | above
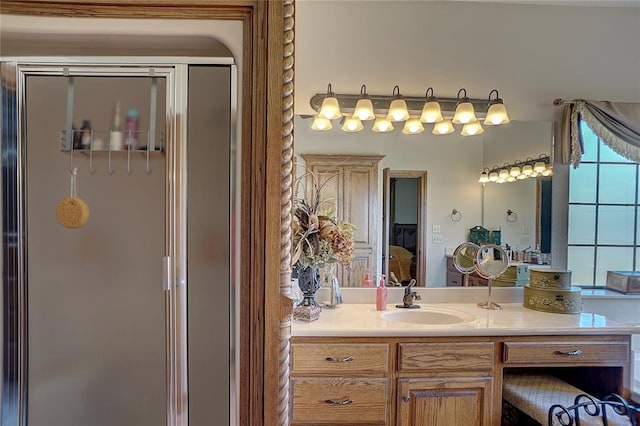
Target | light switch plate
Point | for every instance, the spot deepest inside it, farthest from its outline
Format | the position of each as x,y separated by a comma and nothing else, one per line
436,229
437,239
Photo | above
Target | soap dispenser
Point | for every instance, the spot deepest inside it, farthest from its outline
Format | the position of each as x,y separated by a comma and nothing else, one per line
381,295
366,281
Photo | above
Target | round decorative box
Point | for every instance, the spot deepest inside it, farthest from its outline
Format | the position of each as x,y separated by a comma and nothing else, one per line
549,278
554,300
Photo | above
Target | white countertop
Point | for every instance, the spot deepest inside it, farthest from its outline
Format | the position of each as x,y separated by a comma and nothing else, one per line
353,319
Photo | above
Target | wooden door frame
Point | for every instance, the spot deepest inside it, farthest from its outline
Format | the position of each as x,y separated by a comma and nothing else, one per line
421,231
267,147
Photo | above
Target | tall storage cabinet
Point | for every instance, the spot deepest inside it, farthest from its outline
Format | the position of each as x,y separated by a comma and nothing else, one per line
350,189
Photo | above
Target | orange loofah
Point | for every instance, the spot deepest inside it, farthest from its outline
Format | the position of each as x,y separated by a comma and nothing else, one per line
72,212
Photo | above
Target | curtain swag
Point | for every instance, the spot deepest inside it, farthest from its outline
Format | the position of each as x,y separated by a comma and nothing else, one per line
617,124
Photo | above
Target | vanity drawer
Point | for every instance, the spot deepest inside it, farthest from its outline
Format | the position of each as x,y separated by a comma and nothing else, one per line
339,358
445,356
561,352
336,401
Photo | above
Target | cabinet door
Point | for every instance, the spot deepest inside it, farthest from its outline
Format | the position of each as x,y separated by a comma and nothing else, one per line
448,401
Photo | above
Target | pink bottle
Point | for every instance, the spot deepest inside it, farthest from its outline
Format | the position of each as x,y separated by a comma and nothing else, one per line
366,281
381,295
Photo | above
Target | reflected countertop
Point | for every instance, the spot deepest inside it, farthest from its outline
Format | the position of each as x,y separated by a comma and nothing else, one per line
355,319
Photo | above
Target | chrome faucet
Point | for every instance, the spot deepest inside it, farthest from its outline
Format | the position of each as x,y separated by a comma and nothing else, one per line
409,296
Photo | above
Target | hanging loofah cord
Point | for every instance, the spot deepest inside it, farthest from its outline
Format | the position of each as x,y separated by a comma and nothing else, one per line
72,211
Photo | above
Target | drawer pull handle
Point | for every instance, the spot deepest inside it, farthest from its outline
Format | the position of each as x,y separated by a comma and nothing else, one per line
570,353
341,359
406,398
341,402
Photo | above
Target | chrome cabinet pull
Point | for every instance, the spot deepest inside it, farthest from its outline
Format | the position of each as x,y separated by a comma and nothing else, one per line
341,402
570,353
342,359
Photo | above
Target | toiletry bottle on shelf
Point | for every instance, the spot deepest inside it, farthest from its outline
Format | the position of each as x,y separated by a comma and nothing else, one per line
366,281
381,295
116,143
85,132
131,128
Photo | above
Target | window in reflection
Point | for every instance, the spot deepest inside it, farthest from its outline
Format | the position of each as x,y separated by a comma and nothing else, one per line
604,201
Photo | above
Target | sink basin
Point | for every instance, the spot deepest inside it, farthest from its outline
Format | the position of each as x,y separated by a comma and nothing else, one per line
428,316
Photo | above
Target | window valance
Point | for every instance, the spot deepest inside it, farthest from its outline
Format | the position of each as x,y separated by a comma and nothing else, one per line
617,124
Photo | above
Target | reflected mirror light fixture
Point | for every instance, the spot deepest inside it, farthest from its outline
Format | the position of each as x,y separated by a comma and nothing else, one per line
497,112
382,125
443,127
386,109
352,125
364,106
398,107
321,124
431,111
412,126
330,108
465,112
519,170
472,129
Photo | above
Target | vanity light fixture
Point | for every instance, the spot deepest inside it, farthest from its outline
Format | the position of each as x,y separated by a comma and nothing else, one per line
398,108
330,108
412,126
431,111
364,106
443,127
352,125
497,112
320,123
465,112
518,170
472,129
382,125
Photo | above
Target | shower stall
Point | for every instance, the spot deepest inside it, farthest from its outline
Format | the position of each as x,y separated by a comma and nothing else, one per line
130,319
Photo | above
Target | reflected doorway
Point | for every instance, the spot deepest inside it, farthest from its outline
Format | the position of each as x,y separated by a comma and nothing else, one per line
404,225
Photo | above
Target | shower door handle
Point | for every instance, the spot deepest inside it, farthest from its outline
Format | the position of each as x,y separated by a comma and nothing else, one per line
166,273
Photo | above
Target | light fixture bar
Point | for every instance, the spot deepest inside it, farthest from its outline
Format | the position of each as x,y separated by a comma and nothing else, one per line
531,167
381,103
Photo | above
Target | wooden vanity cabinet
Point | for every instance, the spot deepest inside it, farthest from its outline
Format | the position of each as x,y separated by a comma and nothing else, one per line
426,381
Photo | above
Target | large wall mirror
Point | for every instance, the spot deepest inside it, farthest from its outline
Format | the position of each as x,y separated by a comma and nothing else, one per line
453,164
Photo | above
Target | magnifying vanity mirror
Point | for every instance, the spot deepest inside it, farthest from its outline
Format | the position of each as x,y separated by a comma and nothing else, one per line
490,262
463,260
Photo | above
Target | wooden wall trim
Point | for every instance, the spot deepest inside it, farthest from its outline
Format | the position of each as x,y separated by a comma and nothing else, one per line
267,146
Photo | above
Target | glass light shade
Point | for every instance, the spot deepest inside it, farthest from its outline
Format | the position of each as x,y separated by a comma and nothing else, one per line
352,124
330,108
431,112
520,177
534,174
398,110
547,172
511,179
382,125
471,129
444,127
493,176
500,181
364,109
321,124
464,113
527,170
539,167
515,171
484,178
496,114
503,174
412,126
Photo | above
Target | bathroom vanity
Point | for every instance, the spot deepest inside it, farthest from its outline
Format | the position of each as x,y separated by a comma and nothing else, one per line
444,363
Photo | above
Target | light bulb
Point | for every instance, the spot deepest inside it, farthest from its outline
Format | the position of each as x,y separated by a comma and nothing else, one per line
464,113
398,110
515,171
471,129
527,170
412,126
493,176
321,124
484,178
503,174
511,179
539,167
444,127
364,109
382,125
352,124
496,114
330,108
431,112
521,177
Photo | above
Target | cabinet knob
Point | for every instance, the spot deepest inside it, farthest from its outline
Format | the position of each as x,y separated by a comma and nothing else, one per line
346,401
406,398
569,353
339,359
